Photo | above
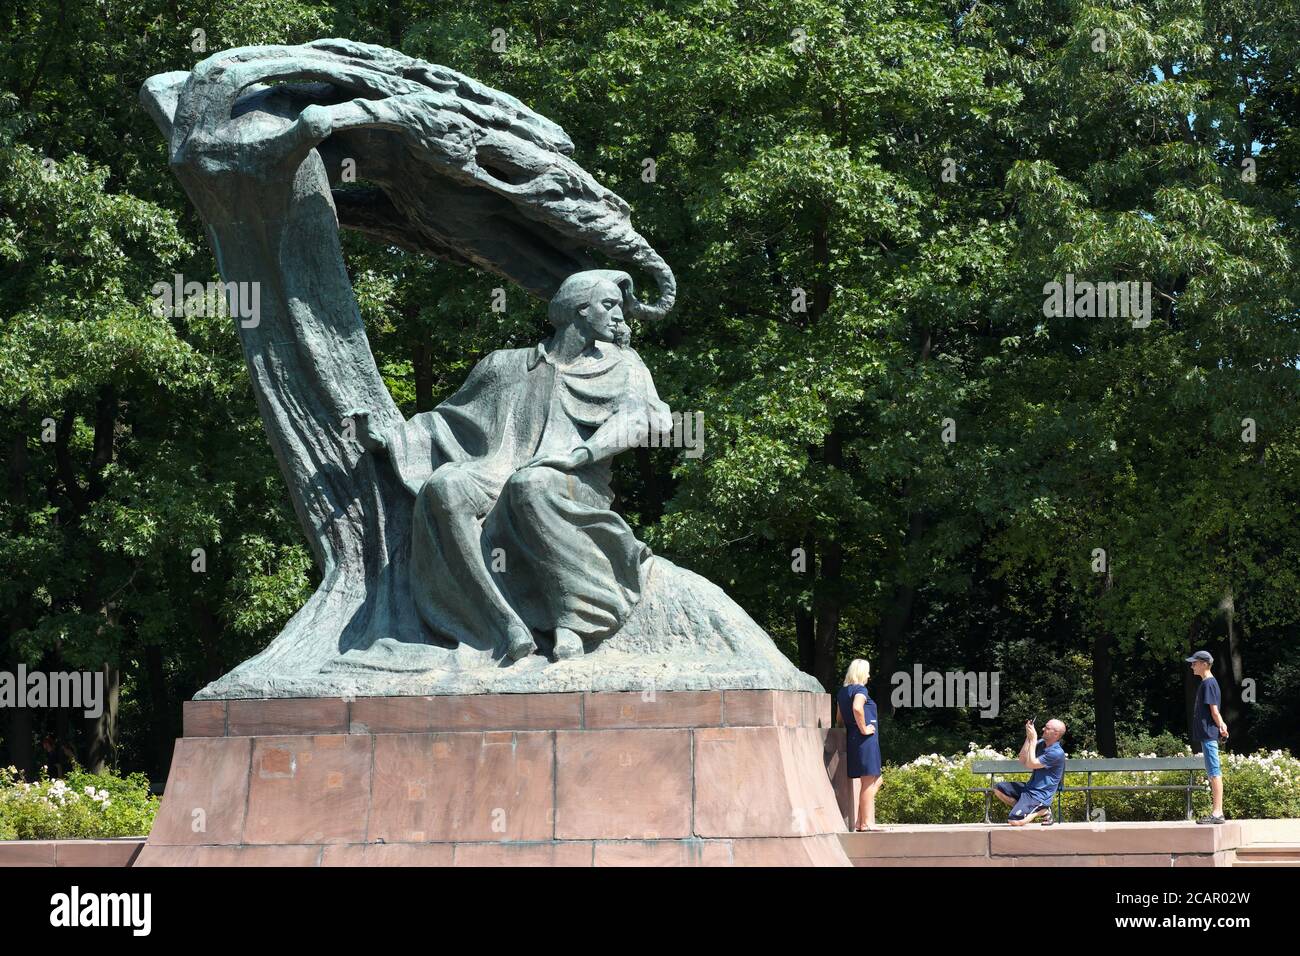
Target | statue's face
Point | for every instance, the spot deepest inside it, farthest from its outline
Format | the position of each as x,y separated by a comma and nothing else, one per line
603,315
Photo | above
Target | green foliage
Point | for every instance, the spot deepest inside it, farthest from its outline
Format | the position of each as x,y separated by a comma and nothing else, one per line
936,789
81,806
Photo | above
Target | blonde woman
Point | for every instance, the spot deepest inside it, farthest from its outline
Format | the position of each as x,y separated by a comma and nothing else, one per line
862,741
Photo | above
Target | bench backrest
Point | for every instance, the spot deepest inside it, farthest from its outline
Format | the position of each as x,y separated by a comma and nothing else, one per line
1097,764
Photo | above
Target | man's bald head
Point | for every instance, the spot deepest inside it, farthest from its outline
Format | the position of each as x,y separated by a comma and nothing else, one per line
1053,730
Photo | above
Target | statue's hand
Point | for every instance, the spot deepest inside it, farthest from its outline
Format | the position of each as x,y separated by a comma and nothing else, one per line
367,437
570,462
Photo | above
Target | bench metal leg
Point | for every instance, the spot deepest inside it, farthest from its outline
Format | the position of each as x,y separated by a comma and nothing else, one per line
1087,800
988,800
1191,777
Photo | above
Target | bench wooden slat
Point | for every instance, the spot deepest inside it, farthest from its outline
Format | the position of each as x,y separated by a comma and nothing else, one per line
1098,765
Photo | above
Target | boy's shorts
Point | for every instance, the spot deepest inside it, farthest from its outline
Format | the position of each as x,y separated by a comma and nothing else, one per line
1210,751
1025,803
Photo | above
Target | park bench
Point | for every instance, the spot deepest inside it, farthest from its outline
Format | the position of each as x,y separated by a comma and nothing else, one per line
1091,765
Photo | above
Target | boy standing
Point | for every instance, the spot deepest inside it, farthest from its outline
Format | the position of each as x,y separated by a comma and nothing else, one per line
1208,728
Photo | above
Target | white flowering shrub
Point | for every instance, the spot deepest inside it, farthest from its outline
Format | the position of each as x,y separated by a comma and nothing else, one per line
933,788
80,806
1263,785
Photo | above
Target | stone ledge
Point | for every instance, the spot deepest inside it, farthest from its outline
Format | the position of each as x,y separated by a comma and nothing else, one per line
1160,844
585,710
93,853
810,851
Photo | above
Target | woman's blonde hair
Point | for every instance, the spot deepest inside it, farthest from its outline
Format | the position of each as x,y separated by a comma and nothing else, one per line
859,673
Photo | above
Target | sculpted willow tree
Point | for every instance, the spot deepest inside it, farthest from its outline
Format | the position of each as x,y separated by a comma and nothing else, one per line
399,515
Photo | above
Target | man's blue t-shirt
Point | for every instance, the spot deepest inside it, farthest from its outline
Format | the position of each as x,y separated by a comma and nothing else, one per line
1203,725
1042,785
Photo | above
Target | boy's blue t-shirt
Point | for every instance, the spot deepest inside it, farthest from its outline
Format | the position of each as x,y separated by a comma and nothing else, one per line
1203,725
1042,785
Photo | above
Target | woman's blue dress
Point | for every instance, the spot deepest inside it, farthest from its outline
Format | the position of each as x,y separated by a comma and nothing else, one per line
863,749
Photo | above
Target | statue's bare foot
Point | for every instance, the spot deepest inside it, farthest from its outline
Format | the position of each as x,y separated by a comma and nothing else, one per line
567,644
519,642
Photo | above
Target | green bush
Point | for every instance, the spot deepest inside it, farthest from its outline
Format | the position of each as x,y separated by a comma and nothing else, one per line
81,806
1163,744
1263,785
935,789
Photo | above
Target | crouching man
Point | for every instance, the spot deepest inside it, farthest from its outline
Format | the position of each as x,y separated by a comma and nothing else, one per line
1032,801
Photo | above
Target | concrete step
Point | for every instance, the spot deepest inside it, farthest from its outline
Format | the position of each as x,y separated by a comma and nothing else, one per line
1249,862
1267,854
1269,831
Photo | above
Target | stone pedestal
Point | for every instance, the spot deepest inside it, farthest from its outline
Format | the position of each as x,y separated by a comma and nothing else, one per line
581,779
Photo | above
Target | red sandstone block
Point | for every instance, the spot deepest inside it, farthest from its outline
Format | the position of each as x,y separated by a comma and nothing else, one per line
27,853
835,761
1095,859
749,708
462,787
387,854
815,790
623,784
309,790
1202,859
115,853
229,856
919,843
762,782
204,718
816,710
391,715
506,712
963,861
206,794
279,717
664,853
1110,838
765,708
789,707
523,854
821,850
657,709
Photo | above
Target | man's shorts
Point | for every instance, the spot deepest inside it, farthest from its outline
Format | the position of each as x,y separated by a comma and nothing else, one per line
1025,803
1210,751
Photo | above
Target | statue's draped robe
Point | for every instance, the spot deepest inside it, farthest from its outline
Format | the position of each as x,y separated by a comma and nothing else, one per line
547,540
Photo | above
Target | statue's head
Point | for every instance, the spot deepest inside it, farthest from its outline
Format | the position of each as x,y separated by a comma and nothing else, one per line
596,301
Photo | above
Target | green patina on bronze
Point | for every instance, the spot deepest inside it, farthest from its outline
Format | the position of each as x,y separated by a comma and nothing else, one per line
406,519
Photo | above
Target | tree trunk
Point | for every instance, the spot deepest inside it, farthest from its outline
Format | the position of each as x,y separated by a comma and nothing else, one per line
18,726
18,738
898,616
1233,672
422,370
1103,691
1191,682
100,733
804,629
654,500
63,739
161,730
827,596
